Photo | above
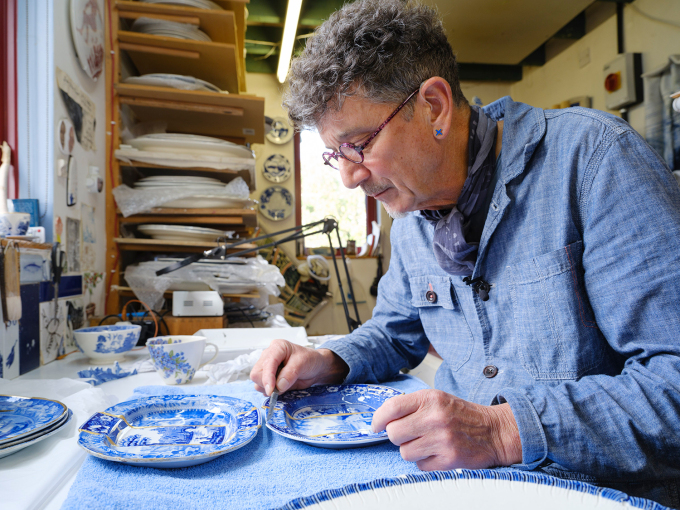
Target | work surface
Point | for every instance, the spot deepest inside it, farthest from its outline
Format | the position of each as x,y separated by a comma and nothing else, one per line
270,472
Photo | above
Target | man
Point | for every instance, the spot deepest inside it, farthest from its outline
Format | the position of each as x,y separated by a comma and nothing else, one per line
537,251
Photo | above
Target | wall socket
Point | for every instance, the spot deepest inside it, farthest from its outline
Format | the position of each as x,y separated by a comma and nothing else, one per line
623,81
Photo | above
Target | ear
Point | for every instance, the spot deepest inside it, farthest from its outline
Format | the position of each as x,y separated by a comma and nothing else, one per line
436,93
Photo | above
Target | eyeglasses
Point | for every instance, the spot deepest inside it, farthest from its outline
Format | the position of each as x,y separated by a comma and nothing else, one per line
354,153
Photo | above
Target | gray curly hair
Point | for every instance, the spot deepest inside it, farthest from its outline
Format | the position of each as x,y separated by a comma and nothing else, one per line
380,49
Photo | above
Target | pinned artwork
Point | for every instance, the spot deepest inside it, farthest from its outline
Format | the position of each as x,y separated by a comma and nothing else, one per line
89,238
75,319
72,245
281,132
52,330
277,168
66,136
93,290
87,33
81,109
9,349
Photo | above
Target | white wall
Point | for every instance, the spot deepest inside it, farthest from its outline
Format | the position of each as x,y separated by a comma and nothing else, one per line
563,77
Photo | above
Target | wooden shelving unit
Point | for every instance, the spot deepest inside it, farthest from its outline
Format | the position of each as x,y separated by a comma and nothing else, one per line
233,116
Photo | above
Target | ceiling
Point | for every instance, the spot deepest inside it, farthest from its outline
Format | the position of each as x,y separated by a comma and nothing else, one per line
492,38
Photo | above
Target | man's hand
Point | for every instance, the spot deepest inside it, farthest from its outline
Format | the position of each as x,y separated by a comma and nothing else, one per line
439,431
303,367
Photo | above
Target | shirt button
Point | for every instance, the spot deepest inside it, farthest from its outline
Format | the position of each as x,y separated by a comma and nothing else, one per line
490,371
431,296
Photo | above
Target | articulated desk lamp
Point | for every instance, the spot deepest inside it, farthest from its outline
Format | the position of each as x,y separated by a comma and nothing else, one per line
326,225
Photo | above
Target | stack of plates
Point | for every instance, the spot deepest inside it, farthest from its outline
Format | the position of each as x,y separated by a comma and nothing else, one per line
179,143
173,81
231,285
199,4
180,181
25,421
165,28
183,233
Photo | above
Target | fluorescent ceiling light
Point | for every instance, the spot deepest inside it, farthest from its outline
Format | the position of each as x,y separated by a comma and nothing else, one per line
289,29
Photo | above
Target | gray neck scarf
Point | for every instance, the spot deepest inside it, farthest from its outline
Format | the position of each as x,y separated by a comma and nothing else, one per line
454,255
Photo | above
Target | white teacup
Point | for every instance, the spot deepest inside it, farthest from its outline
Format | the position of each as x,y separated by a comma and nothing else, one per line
177,357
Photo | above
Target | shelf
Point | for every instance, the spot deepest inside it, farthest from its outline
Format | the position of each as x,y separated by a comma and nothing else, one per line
236,217
136,244
197,112
216,63
219,25
127,292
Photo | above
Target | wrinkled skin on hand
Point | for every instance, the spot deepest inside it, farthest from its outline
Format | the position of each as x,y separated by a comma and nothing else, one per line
303,366
437,430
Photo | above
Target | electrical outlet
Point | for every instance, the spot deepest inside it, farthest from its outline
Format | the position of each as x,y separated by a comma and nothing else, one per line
623,81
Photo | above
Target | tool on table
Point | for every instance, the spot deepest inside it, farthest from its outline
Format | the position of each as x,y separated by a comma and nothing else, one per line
274,396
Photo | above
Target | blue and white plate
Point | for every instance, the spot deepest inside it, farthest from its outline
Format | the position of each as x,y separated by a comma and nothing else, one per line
330,416
281,132
170,431
10,448
277,168
277,203
22,416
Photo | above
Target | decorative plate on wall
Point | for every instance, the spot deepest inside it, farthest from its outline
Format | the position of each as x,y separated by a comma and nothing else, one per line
276,203
277,168
87,32
282,132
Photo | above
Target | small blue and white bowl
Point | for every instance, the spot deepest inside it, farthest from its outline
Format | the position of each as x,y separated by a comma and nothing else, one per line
14,224
106,344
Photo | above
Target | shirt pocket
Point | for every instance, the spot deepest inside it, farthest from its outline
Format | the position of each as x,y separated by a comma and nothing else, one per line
556,329
443,321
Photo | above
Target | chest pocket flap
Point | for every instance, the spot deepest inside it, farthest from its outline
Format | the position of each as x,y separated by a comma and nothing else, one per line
439,285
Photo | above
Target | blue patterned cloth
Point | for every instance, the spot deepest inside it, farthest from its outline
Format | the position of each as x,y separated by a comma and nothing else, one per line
455,254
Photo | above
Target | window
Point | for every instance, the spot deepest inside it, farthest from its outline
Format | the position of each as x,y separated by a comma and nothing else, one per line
320,193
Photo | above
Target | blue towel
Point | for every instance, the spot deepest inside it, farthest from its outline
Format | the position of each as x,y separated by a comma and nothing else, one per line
266,473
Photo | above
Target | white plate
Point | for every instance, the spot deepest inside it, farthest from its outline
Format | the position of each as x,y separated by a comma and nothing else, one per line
237,287
277,168
175,81
87,33
330,416
170,431
282,132
169,29
210,188
277,203
179,143
206,201
182,233
180,178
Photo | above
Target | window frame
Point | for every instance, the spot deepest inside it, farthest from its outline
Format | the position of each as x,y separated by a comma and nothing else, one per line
8,89
371,203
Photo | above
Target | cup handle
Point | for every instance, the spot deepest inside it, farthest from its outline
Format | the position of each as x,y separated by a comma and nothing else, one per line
217,350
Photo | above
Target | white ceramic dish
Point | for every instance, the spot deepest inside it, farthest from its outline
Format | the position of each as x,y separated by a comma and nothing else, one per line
277,203
181,144
14,224
199,4
207,201
169,29
330,416
237,287
106,344
281,132
170,431
277,168
183,233
181,178
173,81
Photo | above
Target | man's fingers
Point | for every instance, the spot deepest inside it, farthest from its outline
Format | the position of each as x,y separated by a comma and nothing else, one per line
393,409
403,430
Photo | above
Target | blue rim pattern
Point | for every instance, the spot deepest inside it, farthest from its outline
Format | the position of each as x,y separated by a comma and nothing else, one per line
299,414
283,206
22,416
277,168
44,434
171,428
468,474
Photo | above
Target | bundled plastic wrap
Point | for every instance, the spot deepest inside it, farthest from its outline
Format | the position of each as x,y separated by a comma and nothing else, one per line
149,288
134,201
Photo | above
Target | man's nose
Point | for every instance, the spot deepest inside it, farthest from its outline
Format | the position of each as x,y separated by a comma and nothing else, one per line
352,174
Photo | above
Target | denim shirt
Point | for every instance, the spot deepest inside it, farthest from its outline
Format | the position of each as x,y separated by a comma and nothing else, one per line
581,245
